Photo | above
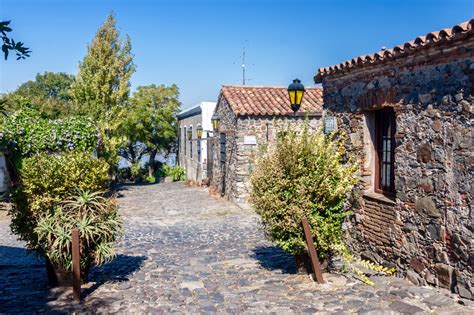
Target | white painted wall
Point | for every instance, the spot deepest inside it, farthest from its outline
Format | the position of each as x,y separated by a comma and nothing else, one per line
3,174
196,170
207,110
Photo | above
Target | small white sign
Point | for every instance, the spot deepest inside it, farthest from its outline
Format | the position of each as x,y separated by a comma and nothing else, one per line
251,140
329,124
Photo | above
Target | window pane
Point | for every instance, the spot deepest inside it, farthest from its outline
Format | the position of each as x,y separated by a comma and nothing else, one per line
385,131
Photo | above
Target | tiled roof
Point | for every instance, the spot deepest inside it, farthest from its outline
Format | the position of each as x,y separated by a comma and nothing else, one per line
448,34
270,100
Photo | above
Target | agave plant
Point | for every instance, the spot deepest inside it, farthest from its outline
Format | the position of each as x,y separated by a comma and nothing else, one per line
86,202
98,222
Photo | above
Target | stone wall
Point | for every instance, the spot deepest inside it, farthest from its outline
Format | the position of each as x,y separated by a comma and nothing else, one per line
265,130
221,175
240,156
427,229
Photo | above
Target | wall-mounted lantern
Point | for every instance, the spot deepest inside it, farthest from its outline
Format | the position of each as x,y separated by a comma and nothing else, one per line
189,133
199,131
296,91
215,122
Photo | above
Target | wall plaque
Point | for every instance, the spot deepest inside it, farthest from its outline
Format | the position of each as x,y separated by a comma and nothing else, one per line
329,124
250,140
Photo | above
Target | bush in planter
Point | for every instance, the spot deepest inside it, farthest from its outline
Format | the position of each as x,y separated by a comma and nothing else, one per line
303,175
44,213
98,222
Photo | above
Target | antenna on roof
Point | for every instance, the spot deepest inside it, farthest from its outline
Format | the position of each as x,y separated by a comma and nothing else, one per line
244,65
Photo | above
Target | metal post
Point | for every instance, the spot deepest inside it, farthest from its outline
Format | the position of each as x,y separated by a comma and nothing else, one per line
76,265
312,251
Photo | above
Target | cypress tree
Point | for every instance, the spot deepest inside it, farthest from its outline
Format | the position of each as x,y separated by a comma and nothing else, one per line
103,81
102,85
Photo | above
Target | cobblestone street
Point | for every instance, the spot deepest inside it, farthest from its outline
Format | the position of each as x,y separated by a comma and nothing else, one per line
186,252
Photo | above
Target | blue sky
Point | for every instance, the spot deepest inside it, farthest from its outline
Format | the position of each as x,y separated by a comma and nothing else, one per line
197,44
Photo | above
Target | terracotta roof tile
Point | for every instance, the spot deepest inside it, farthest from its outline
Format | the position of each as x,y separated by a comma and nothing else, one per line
269,100
432,38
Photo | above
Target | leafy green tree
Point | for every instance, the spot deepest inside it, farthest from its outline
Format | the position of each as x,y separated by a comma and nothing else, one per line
9,43
151,120
102,86
49,92
103,81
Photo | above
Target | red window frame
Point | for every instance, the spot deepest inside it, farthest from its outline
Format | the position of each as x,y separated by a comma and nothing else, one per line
385,127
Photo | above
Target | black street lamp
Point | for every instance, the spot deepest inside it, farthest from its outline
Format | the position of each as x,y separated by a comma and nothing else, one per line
296,92
215,122
199,131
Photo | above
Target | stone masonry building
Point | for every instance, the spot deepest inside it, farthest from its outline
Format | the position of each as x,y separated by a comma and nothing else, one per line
250,118
408,115
192,152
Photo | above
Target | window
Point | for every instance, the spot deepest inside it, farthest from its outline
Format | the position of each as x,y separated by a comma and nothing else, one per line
199,149
184,140
191,143
385,153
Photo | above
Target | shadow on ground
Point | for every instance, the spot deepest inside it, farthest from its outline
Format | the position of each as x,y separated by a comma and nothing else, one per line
24,275
119,188
117,270
272,257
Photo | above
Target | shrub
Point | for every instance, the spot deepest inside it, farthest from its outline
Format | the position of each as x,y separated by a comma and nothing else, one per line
97,220
43,214
176,172
136,170
25,133
150,179
48,179
303,175
124,174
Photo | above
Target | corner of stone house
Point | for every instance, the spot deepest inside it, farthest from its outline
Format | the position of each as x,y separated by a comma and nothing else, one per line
427,234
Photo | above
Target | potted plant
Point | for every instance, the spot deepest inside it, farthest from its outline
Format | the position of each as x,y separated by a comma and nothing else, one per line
98,222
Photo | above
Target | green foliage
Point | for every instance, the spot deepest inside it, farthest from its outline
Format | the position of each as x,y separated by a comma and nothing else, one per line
104,74
102,86
49,92
176,172
99,224
58,192
150,179
150,119
9,43
49,179
136,170
303,175
25,133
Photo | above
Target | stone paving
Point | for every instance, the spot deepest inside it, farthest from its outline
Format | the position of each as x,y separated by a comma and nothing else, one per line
186,252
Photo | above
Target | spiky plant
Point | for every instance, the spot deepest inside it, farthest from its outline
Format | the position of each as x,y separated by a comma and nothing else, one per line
98,222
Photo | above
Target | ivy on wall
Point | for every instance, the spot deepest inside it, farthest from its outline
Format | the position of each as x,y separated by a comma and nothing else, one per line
25,132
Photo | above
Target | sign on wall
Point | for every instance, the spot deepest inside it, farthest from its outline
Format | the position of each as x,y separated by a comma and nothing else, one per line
330,124
250,140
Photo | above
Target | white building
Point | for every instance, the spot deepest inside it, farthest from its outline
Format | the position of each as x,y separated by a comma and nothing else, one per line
192,149
4,180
